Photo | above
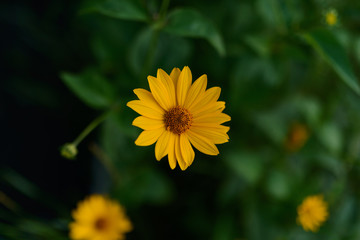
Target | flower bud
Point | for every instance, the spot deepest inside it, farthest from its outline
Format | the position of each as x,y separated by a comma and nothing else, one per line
297,137
69,151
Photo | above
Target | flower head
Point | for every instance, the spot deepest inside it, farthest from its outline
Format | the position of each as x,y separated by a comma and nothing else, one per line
331,17
99,218
312,213
297,137
178,114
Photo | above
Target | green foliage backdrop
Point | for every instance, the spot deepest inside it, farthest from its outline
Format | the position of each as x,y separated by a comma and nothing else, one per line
278,63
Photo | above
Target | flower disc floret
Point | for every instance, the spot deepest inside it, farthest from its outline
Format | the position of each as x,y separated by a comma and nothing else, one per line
177,120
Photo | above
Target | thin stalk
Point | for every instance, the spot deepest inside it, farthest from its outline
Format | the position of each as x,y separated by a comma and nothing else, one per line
163,9
91,127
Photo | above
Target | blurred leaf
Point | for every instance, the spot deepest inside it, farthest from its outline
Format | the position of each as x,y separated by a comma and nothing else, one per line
259,44
44,230
91,88
145,185
310,108
20,183
343,215
331,137
191,23
117,138
122,9
138,183
253,219
31,190
10,231
278,184
272,14
230,189
357,49
335,166
326,44
273,124
179,48
140,52
223,229
247,165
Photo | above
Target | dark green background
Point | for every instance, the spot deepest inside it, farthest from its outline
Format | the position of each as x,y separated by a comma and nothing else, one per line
63,63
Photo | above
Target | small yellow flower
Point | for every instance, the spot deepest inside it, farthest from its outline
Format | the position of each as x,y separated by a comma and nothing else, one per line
178,112
331,17
312,213
297,137
97,218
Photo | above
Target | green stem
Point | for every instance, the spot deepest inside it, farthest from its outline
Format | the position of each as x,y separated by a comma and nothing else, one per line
156,27
163,9
150,54
91,127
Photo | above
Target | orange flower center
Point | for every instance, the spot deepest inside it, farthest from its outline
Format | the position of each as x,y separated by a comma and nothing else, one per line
178,120
101,224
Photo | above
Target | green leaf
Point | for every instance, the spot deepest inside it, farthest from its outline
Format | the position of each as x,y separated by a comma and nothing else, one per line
278,184
223,228
326,44
246,165
91,88
145,185
122,9
191,23
142,53
330,135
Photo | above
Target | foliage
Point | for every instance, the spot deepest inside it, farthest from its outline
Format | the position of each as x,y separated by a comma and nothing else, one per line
278,64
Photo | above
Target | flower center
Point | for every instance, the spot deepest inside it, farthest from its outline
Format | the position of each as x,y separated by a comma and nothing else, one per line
178,120
101,224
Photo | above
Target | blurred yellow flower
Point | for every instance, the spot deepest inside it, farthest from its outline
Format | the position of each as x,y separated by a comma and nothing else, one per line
176,113
97,218
297,137
331,17
312,213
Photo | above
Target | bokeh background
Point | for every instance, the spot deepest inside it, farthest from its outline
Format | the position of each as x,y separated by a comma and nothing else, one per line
289,79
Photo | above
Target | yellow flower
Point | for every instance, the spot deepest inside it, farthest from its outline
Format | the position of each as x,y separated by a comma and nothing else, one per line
98,218
312,213
297,137
176,113
331,17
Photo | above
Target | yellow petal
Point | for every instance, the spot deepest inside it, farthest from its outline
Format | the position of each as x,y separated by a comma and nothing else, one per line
175,75
202,144
148,123
147,97
171,151
215,135
217,117
215,126
161,147
148,137
145,109
186,150
209,97
215,107
179,156
79,231
196,91
183,85
169,84
160,92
